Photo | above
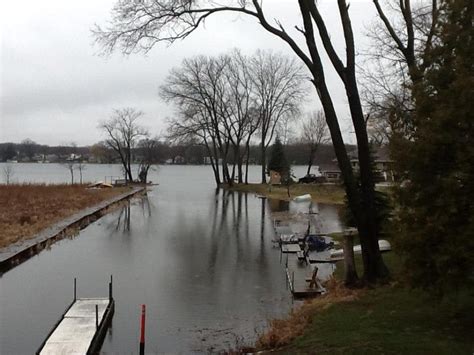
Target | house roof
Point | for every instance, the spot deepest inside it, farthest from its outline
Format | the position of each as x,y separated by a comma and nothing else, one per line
329,167
380,154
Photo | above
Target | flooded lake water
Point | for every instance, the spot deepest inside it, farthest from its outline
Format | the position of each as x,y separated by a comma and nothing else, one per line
201,259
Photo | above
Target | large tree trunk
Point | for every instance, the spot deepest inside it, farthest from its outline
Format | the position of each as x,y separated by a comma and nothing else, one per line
373,264
247,148
312,152
214,163
361,201
263,160
350,272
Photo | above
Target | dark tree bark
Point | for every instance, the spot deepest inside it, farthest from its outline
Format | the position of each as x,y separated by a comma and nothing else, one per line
350,272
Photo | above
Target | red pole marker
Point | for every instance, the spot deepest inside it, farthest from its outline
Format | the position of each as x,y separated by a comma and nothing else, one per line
142,332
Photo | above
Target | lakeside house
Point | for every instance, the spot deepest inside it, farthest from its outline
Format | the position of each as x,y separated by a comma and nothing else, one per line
383,166
331,172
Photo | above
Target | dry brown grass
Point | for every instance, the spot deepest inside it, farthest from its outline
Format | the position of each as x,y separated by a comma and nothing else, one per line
25,210
283,331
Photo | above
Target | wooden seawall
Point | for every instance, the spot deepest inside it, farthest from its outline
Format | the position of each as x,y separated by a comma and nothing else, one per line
16,254
82,328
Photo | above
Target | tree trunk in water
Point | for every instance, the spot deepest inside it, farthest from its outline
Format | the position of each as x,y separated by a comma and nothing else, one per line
247,151
215,162
264,162
225,171
129,164
247,166
214,165
239,168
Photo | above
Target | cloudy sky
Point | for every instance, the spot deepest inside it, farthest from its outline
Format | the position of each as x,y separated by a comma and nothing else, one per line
55,88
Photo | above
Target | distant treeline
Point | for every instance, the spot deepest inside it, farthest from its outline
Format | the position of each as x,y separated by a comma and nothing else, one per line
164,153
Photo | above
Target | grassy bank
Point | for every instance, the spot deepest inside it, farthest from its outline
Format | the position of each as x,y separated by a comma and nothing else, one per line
319,193
390,319
27,209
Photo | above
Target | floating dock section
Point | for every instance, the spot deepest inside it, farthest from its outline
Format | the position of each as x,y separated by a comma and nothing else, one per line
82,328
299,276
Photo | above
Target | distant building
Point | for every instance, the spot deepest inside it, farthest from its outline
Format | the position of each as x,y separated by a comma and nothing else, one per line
384,170
384,166
331,172
73,157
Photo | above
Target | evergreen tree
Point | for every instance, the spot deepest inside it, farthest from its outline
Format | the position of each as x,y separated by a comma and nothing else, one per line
436,213
383,206
278,161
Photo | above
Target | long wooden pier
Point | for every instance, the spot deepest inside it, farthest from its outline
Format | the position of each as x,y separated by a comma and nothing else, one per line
82,328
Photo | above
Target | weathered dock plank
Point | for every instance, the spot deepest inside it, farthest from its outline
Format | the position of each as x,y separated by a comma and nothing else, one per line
79,330
290,248
299,275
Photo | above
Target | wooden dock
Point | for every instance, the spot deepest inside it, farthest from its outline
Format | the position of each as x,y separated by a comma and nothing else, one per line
290,248
299,274
82,328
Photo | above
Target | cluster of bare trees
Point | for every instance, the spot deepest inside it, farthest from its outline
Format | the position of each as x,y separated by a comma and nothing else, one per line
225,102
125,136
138,26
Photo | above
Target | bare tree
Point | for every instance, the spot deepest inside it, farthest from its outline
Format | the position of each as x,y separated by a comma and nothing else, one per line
239,122
70,163
138,26
286,128
123,133
193,124
147,151
408,38
279,89
396,62
71,166
8,173
81,167
196,90
314,133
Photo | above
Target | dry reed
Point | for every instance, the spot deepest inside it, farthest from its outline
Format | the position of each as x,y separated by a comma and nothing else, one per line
282,331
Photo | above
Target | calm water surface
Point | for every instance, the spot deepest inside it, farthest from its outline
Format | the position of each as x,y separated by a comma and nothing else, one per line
201,260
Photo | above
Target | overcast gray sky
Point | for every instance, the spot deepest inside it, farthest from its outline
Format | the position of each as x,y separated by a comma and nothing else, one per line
55,88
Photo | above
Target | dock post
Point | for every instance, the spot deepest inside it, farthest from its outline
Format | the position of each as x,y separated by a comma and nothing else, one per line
75,294
111,297
142,332
96,316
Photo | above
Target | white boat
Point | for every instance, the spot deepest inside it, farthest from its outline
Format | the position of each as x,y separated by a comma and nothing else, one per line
301,198
99,185
384,245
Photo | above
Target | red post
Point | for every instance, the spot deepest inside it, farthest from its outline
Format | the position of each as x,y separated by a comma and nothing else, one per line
142,332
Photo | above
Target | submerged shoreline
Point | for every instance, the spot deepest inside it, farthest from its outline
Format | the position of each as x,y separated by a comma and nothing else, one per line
15,253
322,193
